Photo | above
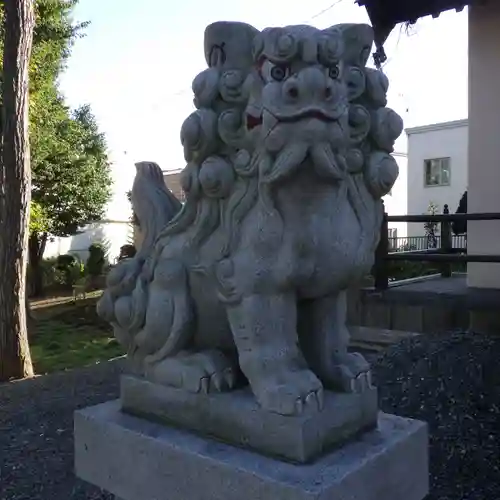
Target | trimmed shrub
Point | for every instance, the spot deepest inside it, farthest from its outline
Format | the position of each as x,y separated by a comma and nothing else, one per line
65,261
127,252
96,260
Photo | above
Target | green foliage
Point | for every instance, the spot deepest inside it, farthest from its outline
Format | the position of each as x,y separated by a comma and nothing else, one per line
61,272
76,274
70,169
51,275
65,260
96,260
134,221
60,344
402,270
131,236
431,228
71,174
39,222
127,252
70,269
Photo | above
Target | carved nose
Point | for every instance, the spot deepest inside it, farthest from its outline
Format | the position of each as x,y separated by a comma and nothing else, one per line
292,91
310,86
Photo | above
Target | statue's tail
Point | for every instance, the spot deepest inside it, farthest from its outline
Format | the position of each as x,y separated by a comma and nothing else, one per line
153,203
125,299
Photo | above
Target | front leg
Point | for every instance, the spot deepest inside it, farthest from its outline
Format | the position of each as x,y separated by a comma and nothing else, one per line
324,337
265,333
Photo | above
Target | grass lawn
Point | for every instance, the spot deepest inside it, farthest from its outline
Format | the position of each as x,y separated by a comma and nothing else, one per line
68,335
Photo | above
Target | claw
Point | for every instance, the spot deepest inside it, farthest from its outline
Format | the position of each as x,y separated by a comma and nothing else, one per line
352,385
362,363
311,401
363,382
299,406
369,379
216,382
320,399
204,385
357,384
360,382
346,378
230,377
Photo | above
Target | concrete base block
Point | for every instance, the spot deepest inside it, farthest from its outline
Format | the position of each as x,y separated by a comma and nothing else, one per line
135,459
236,418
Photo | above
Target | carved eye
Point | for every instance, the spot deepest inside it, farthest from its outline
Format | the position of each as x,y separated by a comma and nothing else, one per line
278,73
274,72
334,71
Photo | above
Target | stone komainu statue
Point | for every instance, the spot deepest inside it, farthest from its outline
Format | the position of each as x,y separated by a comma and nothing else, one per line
288,155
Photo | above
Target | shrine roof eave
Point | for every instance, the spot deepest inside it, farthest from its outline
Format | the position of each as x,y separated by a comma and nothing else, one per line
386,14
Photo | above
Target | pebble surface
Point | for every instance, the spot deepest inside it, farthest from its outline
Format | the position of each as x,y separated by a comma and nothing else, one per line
451,381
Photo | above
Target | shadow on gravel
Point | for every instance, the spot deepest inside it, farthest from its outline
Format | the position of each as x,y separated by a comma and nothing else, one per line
450,381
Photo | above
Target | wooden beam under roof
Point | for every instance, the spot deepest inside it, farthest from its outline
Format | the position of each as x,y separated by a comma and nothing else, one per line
386,14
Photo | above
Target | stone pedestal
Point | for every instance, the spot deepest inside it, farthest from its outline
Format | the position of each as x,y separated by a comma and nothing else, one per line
136,459
236,418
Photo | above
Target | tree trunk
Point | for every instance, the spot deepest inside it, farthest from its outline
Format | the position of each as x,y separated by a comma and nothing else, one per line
15,190
36,246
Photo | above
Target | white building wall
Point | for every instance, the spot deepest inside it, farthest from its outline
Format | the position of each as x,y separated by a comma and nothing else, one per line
115,230
396,203
483,237
441,140
118,232
113,234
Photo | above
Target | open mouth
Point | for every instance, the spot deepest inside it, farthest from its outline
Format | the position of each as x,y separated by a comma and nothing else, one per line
315,113
253,121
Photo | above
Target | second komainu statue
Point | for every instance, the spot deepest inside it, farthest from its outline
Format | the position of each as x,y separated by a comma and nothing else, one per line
288,155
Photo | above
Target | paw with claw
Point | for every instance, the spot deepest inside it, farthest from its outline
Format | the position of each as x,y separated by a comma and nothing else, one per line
205,372
290,392
350,373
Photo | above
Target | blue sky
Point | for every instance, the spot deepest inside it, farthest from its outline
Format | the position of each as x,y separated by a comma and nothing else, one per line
136,63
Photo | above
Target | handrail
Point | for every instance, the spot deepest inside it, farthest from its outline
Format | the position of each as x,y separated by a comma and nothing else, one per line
443,217
445,254
442,257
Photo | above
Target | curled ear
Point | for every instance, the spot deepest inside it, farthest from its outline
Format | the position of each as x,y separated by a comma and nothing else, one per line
358,41
228,45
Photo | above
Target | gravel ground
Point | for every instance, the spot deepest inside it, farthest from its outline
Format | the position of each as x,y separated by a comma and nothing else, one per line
36,432
452,382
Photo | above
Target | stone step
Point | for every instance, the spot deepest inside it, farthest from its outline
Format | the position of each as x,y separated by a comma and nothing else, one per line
362,347
376,339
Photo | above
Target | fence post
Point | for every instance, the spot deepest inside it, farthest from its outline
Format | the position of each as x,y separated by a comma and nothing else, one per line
380,270
446,243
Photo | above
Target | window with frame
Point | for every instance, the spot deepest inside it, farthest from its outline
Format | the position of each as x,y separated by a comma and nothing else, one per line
437,172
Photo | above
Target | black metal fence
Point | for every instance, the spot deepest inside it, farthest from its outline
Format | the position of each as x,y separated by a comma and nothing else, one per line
407,243
445,254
